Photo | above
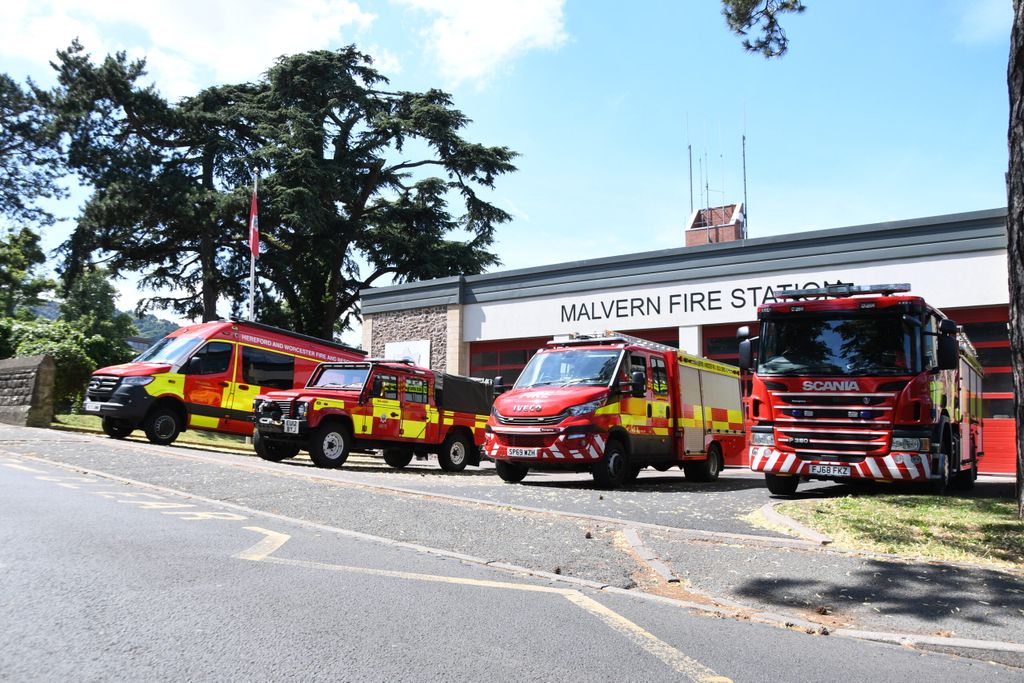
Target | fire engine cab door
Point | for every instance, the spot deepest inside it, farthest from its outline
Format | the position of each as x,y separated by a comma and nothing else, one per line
415,407
208,385
635,411
387,409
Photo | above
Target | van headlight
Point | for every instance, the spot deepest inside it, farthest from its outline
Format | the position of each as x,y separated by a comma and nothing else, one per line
904,443
301,408
137,381
762,439
585,408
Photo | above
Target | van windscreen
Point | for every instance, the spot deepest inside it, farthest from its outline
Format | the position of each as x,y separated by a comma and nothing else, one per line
171,350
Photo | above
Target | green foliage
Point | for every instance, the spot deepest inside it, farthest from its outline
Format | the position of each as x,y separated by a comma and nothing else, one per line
351,172
29,148
744,15
152,327
6,341
20,285
88,306
66,344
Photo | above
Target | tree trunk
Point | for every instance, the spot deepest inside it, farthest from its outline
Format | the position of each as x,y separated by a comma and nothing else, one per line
1015,230
208,246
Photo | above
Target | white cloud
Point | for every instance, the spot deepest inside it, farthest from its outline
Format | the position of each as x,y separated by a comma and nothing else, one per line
472,39
985,21
188,43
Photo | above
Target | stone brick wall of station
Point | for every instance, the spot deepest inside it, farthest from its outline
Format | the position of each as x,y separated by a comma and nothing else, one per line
26,391
398,326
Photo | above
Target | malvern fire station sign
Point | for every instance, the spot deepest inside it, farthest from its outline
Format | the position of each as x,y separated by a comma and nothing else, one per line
941,280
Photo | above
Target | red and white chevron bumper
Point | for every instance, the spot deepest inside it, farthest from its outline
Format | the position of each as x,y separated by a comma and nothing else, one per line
544,448
894,466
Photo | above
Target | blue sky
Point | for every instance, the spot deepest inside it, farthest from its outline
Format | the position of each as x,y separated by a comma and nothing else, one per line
880,111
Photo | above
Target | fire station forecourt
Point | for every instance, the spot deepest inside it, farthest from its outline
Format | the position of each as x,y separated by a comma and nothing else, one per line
661,536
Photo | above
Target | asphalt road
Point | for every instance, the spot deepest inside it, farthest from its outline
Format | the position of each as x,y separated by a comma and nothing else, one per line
105,579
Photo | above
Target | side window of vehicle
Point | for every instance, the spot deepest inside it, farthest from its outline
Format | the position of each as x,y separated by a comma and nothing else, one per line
385,386
415,390
930,343
637,363
212,359
267,369
660,376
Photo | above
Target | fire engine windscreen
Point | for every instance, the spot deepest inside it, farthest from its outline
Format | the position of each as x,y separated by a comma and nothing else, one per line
341,378
170,350
838,344
594,367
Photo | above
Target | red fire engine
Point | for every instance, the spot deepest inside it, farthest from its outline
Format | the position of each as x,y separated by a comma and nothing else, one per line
396,406
861,383
613,405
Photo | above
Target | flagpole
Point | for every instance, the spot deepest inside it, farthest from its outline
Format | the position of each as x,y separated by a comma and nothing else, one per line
252,252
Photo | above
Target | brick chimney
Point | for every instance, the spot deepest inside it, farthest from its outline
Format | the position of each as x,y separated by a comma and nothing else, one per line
717,224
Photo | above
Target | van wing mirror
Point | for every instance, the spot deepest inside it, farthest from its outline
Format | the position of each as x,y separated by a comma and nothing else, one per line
947,326
638,384
194,366
499,385
949,353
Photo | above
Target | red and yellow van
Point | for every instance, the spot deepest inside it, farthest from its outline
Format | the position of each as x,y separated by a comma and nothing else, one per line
205,376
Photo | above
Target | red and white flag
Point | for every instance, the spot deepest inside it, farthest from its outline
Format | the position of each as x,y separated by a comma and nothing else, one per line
254,226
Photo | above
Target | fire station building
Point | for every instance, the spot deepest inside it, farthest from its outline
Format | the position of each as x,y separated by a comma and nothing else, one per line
694,297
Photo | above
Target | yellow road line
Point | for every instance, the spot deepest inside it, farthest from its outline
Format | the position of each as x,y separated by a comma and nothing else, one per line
689,667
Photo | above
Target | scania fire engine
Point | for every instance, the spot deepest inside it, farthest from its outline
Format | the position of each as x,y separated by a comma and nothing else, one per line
861,383
393,405
614,404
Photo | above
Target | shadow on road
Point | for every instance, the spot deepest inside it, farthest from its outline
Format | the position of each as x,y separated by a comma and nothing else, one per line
929,593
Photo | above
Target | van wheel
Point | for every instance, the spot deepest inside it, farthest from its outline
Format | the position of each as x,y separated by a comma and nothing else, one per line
273,451
162,426
115,428
780,485
329,445
707,469
397,457
454,453
613,469
510,472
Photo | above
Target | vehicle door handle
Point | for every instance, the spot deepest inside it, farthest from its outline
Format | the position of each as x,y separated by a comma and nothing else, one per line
225,384
243,387
394,414
648,410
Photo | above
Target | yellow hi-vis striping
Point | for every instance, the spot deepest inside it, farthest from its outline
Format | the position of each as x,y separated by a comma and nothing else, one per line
708,365
172,383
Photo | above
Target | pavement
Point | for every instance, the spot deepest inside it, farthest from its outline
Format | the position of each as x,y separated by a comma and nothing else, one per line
638,539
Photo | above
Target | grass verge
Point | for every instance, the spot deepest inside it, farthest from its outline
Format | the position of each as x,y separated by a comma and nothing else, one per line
91,423
977,530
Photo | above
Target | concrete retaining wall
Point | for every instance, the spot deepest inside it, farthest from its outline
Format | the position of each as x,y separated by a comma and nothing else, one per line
26,391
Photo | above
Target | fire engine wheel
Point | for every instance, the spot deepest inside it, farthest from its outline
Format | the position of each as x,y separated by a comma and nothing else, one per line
780,485
613,469
454,453
162,426
329,445
510,472
397,457
943,486
117,429
707,469
274,451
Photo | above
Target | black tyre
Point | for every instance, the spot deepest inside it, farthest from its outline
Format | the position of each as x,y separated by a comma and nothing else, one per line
274,451
632,472
329,445
454,453
613,469
117,429
162,426
397,457
781,485
510,472
707,469
944,484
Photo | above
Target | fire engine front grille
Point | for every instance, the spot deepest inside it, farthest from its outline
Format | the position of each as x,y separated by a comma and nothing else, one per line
842,426
285,407
531,420
523,440
101,387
